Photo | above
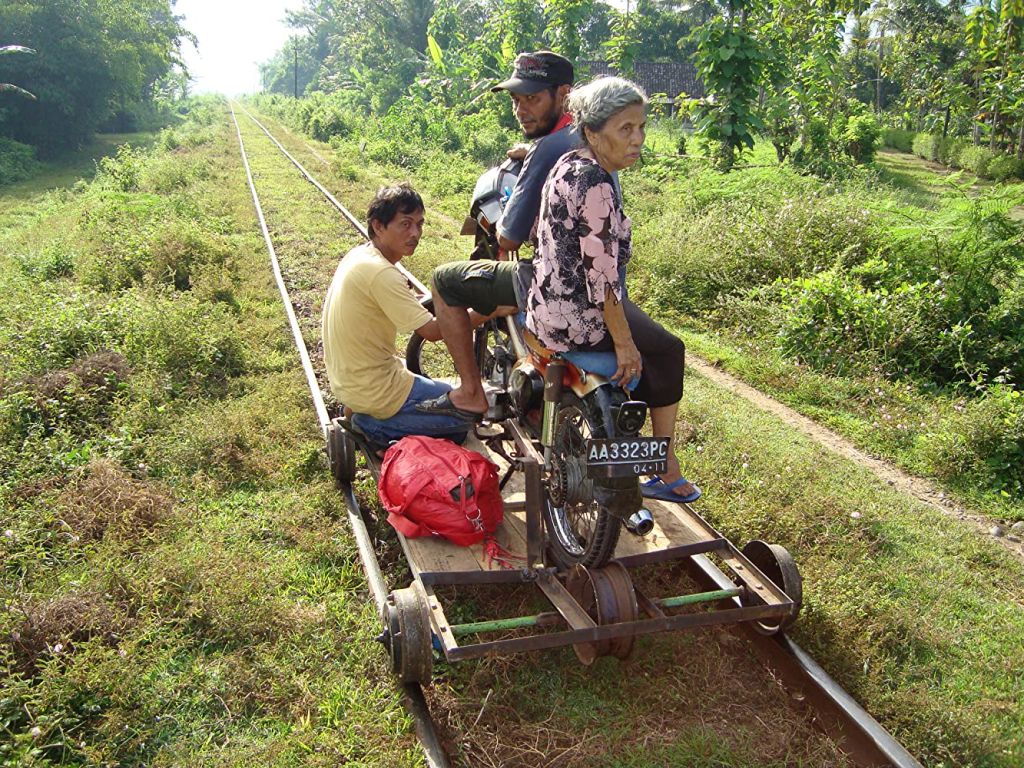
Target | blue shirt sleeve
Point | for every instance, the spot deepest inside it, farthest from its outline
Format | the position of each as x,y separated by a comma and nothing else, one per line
521,210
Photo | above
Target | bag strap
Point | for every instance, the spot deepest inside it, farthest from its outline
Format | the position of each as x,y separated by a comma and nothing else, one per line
408,528
498,554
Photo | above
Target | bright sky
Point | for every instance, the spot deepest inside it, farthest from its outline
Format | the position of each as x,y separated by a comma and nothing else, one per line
235,36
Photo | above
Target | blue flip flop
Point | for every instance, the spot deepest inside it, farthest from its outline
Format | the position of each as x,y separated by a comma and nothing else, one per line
656,488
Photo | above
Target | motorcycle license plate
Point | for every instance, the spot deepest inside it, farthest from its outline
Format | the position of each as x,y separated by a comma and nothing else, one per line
627,456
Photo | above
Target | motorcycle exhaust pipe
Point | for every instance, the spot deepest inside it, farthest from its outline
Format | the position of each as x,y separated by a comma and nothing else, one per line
640,523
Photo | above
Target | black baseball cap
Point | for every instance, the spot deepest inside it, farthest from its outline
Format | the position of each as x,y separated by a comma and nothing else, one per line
533,72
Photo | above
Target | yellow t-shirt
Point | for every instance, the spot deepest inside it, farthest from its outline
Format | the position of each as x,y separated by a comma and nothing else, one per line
368,304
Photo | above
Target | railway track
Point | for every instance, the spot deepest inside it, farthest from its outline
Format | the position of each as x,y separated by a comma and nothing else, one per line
863,739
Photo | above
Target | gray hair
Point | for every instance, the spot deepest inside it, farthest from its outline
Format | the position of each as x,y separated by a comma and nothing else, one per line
594,103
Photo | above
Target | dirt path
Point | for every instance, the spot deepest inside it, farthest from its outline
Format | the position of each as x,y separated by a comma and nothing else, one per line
919,488
907,166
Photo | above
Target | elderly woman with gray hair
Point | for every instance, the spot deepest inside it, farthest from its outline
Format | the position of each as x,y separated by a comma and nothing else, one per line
577,299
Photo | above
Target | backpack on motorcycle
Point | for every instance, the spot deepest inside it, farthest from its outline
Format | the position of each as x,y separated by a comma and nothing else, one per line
490,194
433,487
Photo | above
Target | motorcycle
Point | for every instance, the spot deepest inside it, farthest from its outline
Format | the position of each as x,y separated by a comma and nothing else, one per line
586,427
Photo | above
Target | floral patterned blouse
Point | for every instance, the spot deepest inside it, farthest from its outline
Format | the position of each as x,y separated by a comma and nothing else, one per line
583,245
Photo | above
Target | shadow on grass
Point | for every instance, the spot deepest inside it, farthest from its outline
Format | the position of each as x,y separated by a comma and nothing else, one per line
67,168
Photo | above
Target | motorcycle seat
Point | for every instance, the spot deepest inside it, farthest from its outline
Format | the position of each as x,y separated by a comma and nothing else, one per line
602,364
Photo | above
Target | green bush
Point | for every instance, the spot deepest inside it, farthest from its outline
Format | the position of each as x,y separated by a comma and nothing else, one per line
833,322
898,138
17,161
1003,167
975,159
167,173
950,149
814,153
926,145
123,171
326,118
53,326
193,343
944,305
142,238
859,138
412,134
743,230
78,397
982,438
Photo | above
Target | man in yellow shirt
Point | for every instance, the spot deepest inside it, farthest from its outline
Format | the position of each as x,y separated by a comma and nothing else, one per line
368,304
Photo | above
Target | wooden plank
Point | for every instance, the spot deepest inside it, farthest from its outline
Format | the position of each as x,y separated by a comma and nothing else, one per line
432,554
670,530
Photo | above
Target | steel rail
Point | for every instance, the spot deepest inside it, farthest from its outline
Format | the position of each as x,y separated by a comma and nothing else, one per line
862,737
334,201
413,698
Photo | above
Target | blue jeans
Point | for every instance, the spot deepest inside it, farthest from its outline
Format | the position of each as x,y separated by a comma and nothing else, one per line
409,421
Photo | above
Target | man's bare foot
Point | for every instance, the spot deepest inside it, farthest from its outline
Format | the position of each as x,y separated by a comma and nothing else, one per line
474,403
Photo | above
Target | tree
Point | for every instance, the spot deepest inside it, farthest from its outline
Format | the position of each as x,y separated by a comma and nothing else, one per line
729,59
622,47
996,32
95,57
10,87
293,68
565,20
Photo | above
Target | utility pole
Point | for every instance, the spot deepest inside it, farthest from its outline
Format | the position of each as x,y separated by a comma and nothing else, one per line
295,50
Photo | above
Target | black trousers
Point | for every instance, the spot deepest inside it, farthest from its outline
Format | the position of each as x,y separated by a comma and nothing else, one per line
664,357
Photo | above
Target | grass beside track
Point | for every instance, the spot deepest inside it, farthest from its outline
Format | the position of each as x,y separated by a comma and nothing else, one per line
178,586
913,612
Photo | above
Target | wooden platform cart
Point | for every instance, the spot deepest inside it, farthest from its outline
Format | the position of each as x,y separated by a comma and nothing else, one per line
599,611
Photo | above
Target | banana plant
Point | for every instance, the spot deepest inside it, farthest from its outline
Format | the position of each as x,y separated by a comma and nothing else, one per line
5,87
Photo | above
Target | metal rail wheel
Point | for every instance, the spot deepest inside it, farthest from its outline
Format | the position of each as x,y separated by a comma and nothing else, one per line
341,452
407,635
775,562
608,596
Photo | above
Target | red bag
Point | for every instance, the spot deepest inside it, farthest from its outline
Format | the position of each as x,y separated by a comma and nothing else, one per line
433,487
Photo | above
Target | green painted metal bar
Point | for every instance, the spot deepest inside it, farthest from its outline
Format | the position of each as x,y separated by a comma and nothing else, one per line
700,597
498,625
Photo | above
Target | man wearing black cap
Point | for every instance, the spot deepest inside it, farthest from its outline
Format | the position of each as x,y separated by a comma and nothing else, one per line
538,87
539,84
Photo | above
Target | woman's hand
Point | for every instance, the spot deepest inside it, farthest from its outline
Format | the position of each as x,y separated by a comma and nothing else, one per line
626,354
630,365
